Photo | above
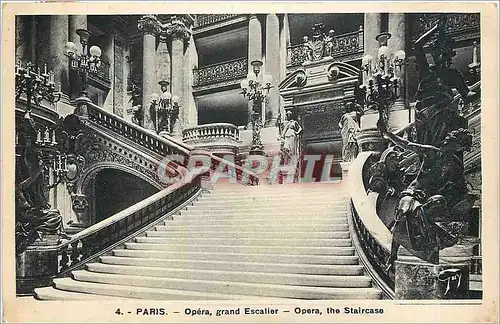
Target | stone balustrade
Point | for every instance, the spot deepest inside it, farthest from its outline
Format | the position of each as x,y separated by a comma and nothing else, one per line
210,19
344,47
219,138
233,70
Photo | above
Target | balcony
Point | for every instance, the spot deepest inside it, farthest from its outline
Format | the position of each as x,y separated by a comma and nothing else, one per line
218,138
343,48
101,77
220,75
208,22
461,26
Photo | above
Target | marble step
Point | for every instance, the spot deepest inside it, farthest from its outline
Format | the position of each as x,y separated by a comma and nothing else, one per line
259,220
249,242
229,287
289,227
344,257
51,293
224,215
104,291
231,265
339,281
308,250
249,234
272,210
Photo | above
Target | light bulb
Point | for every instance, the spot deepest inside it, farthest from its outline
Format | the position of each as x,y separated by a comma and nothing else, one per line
383,51
267,80
175,99
154,97
251,77
95,51
70,48
244,84
367,59
166,95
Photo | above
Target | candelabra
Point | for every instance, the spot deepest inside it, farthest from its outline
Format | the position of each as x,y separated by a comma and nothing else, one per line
382,79
36,85
256,87
87,62
165,108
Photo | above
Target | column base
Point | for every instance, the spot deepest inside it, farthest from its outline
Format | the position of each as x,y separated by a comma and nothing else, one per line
417,279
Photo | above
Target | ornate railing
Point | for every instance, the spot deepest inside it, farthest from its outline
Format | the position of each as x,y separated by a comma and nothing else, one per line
211,132
372,239
220,72
137,134
102,74
209,19
342,46
456,23
123,226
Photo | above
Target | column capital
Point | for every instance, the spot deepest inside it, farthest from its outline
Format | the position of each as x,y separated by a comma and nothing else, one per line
179,27
149,24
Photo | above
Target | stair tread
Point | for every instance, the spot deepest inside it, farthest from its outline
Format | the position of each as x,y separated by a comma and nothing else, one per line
141,280
135,290
51,293
294,257
262,265
241,275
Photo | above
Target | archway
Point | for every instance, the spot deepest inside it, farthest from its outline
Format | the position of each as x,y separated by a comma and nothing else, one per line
116,190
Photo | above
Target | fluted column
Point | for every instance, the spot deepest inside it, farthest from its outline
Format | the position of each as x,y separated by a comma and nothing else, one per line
272,67
254,52
372,27
179,27
284,43
57,61
77,22
398,115
149,26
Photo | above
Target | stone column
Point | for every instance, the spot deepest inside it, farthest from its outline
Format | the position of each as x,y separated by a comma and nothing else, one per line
190,63
57,61
77,22
398,114
284,43
180,29
150,27
272,68
22,30
254,52
372,27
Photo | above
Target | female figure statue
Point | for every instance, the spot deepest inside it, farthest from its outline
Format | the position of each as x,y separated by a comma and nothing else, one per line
348,129
290,135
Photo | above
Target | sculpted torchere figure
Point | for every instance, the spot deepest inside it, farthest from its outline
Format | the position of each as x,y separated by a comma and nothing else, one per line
437,194
33,214
435,117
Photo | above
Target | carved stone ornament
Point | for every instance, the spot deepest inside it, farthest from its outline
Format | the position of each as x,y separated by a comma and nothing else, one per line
178,27
319,45
149,24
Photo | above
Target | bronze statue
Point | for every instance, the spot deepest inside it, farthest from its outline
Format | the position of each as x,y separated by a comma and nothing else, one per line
33,214
437,194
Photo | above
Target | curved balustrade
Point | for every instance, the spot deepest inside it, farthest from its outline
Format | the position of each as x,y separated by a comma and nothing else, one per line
211,131
372,239
121,227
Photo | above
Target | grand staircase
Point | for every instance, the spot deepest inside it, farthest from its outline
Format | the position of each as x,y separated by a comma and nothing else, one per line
236,242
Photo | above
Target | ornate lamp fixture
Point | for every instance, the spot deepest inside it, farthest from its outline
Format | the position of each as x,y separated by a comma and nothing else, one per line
256,87
165,108
37,86
382,78
87,62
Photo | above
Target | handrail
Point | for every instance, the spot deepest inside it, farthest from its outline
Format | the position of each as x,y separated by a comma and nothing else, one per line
96,239
374,237
219,72
159,144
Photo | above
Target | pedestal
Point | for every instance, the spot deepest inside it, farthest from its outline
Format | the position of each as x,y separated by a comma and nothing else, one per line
37,265
417,279
370,140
